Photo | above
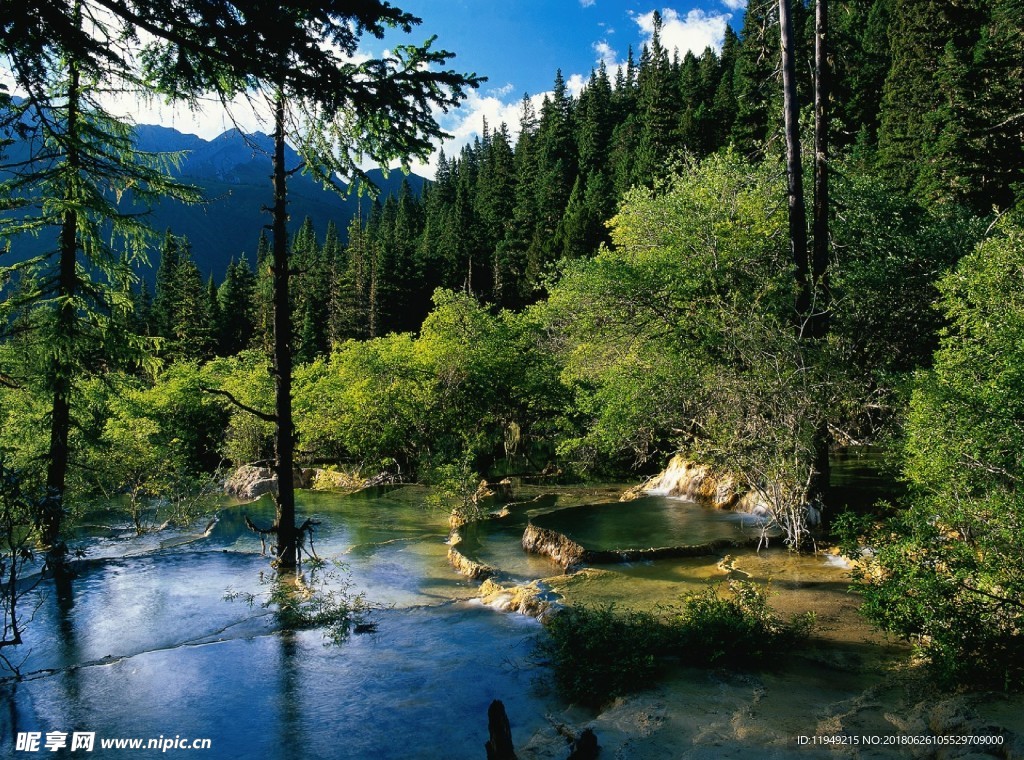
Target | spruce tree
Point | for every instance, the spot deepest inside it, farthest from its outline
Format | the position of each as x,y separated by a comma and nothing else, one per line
236,302
658,110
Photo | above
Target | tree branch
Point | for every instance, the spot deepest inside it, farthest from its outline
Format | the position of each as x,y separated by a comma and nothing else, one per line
244,407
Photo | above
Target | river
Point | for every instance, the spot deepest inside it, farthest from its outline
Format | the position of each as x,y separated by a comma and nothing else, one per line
146,645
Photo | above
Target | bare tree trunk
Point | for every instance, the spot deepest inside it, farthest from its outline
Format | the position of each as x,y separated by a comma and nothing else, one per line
284,466
822,77
58,455
794,169
499,745
819,261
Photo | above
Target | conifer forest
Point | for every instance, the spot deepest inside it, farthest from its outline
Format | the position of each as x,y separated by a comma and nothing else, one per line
768,294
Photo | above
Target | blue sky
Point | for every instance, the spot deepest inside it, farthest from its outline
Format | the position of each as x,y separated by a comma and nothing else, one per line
517,44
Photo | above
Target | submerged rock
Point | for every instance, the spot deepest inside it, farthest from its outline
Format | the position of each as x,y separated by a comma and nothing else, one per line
535,599
571,555
463,564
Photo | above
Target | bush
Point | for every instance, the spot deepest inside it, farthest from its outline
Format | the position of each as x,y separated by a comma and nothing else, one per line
600,653
946,571
742,629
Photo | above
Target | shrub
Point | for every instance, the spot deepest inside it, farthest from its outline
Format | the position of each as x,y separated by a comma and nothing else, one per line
945,571
741,629
599,653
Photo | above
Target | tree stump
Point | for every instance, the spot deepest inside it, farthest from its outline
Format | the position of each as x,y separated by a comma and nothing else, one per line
499,746
585,747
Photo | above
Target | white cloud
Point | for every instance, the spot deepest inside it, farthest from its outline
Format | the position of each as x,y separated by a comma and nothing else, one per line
575,84
587,3
735,5
694,32
606,53
502,91
467,122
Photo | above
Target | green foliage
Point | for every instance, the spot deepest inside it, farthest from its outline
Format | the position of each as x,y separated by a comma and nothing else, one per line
682,335
444,399
181,305
599,653
739,629
946,571
247,378
158,447
323,598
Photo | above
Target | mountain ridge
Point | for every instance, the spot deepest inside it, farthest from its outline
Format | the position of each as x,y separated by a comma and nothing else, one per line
233,172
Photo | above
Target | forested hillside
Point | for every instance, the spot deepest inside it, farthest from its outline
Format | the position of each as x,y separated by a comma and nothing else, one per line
925,100
613,280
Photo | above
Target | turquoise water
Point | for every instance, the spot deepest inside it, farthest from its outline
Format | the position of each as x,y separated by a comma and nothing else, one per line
648,522
144,644
147,645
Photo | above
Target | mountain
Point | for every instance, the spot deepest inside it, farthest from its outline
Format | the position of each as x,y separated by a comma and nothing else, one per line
233,172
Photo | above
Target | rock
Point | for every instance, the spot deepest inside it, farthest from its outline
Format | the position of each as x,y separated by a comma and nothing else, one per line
500,491
463,564
535,599
557,546
699,483
483,491
250,482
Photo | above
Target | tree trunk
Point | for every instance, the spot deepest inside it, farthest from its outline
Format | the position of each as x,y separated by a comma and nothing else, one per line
499,745
284,466
60,379
818,320
819,263
794,169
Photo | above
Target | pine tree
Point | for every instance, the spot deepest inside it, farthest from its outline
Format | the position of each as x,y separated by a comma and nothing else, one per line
236,300
755,77
348,317
927,41
495,205
521,243
658,110
724,105
182,304
213,316
556,173
263,335
166,272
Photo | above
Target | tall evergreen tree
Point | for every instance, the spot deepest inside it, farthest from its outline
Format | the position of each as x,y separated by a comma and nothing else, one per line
236,300
658,110
755,77
80,153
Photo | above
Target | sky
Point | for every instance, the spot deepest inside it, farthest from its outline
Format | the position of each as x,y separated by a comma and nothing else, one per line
517,44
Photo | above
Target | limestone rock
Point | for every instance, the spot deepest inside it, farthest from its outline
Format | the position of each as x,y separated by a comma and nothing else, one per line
699,483
250,482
